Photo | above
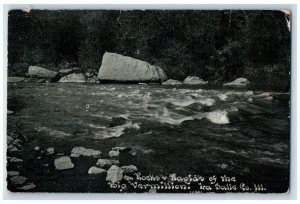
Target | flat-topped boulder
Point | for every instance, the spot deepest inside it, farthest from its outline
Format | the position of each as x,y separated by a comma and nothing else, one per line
121,68
39,72
74,78
238,82
194,80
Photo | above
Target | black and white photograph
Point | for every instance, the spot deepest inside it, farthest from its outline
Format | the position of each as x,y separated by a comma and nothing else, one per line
148,100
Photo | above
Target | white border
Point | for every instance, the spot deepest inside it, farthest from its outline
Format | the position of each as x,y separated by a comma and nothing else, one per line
113,4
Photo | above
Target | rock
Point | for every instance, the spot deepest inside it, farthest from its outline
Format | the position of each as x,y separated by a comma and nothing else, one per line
18,180
9,139
238,82
121,149
64,72
107,162
93,79
114,174
116,121
218,117
27,187
113,153
14,159
128,178
81,151
193,80
39,72
63,163
50,150
9,112
15,79
17,142
96,170
37,148
77,78
13,173
117,67
41,80
129,169
172,82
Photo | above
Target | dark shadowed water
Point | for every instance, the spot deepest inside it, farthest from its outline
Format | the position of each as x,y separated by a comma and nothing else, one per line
183,130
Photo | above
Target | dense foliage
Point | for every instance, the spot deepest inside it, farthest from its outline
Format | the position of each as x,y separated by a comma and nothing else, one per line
214,45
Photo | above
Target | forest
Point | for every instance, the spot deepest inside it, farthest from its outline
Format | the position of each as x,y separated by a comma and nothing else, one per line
216,45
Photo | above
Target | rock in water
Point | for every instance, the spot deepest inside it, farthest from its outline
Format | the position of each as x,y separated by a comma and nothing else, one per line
13,173
114,174
27,187
18,180
77,78
113,153
9,112
39,72
117,67
107,162
81,151
238,82
129,169
50,150
193,80
172,82
15,79
63,163
64,72
96,170
218,117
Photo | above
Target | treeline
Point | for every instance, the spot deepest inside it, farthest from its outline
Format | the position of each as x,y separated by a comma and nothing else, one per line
216,45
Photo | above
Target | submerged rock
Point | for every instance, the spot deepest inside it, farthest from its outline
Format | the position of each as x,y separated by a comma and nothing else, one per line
76,78
107,162
172,82
238,82
194,80
18,180
28,186
81,151
15,79
114,174
63,163
96,170
39,72
129,169
121,68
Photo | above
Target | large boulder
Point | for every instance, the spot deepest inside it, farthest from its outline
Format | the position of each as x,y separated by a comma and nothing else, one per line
120,68
194,80
238,82
39,72
63,163
114,174
78,78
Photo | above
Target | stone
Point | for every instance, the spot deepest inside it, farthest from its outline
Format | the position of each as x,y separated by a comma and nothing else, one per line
81,151
64,72
37,148
26,187
14,159
17,142
128,178
172,82
107,162
113,153
194,80
41,80
15,79
9,140
238,82
218,117
121,68
63,163
73,78
39,72
129,169
50,150
96,170
114,174
13,173
9,112
18,180
121,149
